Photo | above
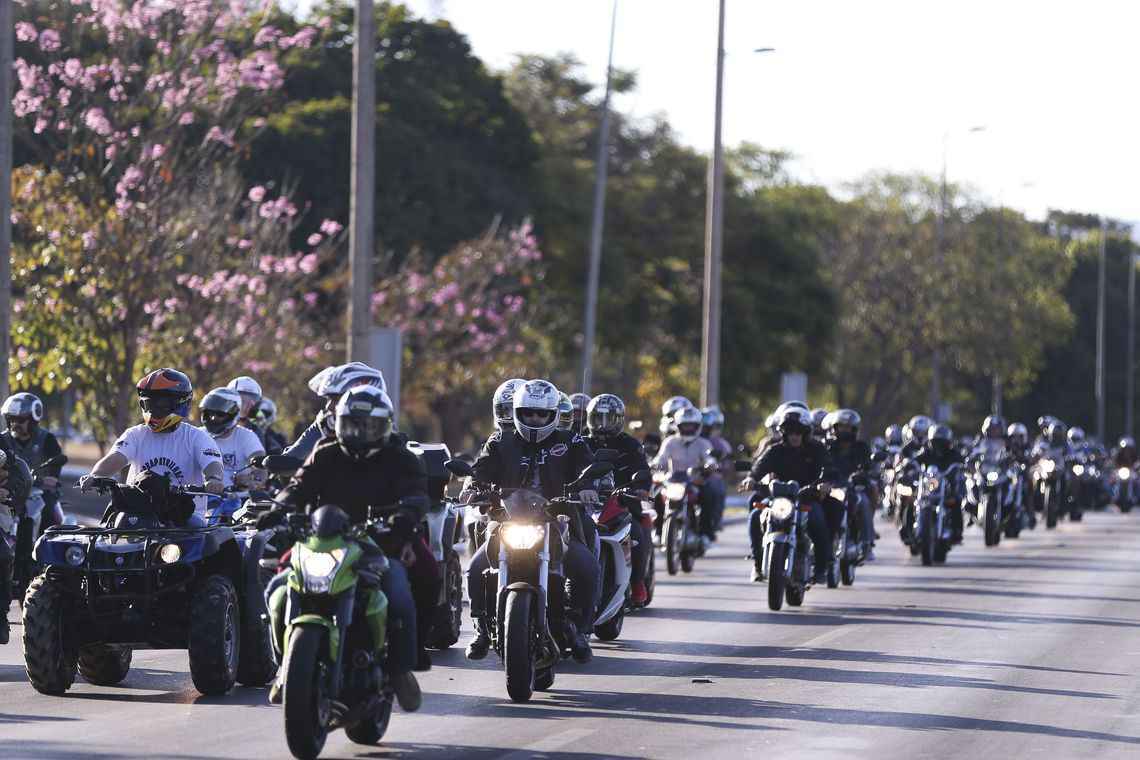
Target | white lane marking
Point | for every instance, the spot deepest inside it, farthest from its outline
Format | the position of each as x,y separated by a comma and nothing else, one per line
550,743
823,638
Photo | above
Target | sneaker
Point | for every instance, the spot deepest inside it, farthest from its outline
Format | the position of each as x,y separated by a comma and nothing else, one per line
580,649
407,690
423,661
757,574
639,595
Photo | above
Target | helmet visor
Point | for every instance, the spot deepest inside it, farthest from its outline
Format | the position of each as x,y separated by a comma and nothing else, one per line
217,422
604,421
536,418
358,431
689,429
159,405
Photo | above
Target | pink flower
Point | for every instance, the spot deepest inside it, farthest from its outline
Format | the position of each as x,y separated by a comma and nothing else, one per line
186,118
157,150
266,264
311,298
25,32
110,152
215,134
64,96
55,236
311,352
40,126
330,227
266,35
97,121
257,194
49,40
244,245
308,263
315,239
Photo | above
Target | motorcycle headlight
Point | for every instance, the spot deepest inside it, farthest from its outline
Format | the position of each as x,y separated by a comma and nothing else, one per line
992,477
170,553
1124,473
782,509
318,567
522,536
904,490
74,555
932,484
1048,465
1078,469
676,491
838,494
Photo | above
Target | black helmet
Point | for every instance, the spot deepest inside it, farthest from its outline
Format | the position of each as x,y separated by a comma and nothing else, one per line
219,410
919,427
941,436
364,420
1056,433
605,414
993,427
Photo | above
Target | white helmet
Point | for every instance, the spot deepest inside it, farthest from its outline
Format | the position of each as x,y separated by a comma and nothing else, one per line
536,409
688,423
317,381
23,405
250,392
670,407
336,380
503,402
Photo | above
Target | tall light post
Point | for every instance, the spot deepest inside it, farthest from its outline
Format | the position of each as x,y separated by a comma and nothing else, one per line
601,170
362,208
1100,312
939,253
1130,349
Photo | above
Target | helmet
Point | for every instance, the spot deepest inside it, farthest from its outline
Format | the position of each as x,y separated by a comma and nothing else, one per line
842,425
605,415
940,436
670,407
164,397
792,405
1044,421
250,392
580,401
817,418
770,423
1076,435
688,423
503,403
536,409
219,410
23,405
794,419
1017,433
265,415
993,426
364,420
894,435
878,443
1127,442
920,426
565,412
712,417
336,380
1055,432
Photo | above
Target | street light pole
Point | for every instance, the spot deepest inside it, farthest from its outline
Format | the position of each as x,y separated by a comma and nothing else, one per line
601,170
362,208
1100,311
1130,349
714,220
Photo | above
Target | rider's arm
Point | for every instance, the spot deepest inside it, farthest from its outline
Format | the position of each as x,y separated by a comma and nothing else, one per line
110,465
212,475
305,444
488,466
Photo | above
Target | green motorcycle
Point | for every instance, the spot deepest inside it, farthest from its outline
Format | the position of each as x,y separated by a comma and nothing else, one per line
333,656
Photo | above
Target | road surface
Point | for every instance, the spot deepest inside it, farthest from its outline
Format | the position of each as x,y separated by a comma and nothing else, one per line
1031,649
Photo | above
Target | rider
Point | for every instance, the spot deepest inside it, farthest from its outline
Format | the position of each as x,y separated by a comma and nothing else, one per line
263,418
537,456
941,452
915,435
818,415
503,404
795,458
683,450
849,456
712,424
580,402
187,455
15,485
364,465
35,445
605,418
565,414
219,410
250,391
329,385
1125,453
668,412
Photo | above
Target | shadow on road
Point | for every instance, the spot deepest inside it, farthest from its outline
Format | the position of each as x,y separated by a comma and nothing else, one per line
417,750
826,618
14,718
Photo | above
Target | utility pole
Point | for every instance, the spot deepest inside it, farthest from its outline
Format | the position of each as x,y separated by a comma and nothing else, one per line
1130,350
714,227
939,238
1100,309
6,44
362,208
601,170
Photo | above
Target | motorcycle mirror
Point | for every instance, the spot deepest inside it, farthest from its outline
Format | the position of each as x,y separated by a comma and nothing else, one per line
281,463
459,468
742,465
606,455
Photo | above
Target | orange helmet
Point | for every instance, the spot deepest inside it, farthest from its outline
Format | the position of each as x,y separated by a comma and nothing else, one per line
164,397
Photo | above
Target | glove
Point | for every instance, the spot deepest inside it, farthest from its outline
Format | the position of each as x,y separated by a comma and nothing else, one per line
83,482
589,496
270,519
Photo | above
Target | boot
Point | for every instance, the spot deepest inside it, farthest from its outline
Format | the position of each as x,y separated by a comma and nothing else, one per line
580,648
757,575
275,689
407,690
639,595
481,642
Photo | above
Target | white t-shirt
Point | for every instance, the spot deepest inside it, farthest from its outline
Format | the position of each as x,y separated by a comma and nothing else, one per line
236,447
182,454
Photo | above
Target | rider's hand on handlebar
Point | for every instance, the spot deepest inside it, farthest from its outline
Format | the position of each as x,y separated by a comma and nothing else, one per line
588,496
214,486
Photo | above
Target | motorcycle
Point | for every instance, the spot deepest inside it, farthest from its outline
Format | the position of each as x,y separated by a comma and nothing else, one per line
1049,487
333,623
903,491
1084,482
1018,513
526,614
1124,489
788,562
613,524
680,530
987,494
847,553
932,530
24,528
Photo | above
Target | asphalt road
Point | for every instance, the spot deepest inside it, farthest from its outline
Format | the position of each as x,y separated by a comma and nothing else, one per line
1031,649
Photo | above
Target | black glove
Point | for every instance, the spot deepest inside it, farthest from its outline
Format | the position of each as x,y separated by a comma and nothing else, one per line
404,525
270,519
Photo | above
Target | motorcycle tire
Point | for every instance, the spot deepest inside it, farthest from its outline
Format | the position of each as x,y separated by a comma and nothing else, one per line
832,575
672,538
611,629
305,731
51,663
256,666
688,561
215,636
777,580
940,552
1050,502
103,665
991,526
650,578
449,615
847,572
927,543
1125,508
1013,526
544,679
518,646
1076,514
371,730
794,595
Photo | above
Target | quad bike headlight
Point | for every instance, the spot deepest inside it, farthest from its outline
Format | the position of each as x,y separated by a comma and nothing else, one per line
170,553
74,555
522,536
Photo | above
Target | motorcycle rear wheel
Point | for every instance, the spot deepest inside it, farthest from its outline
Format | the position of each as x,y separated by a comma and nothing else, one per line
611,629
1050,499
847,572
992,527
795,595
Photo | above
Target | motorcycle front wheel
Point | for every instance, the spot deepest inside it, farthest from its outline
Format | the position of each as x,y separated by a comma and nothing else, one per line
672,533
776,578
518,649
306,724
991,526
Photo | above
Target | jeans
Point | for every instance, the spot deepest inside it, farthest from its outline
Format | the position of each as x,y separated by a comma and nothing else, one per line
401,612
641,541
580,567
712,506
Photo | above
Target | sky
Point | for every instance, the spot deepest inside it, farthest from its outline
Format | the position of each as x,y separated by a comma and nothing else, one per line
859,86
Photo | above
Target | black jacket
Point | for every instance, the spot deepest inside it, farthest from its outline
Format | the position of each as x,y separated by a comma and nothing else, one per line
846,461
329,476
632,457
508,461
931,456
804,464
19,482
41,447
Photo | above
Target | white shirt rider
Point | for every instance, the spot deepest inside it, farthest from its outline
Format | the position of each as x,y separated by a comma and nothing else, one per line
237,446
